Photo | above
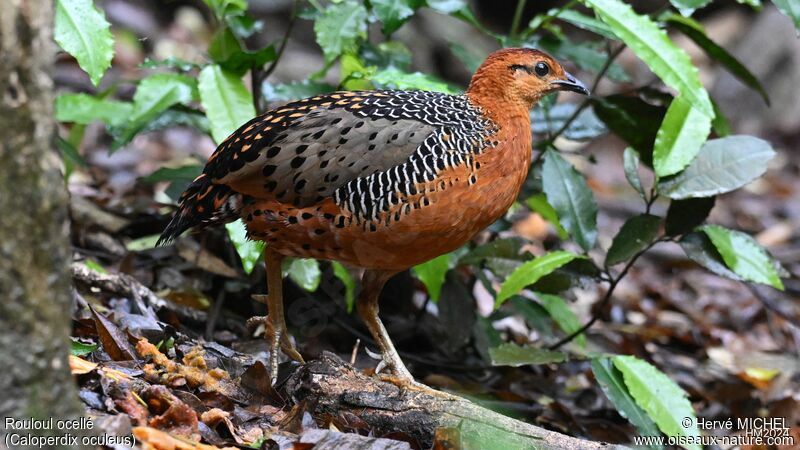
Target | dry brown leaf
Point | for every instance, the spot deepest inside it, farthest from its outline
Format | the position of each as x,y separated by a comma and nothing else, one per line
153,439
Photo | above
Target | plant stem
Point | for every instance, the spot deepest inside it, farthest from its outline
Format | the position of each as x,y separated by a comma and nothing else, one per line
517,17
613,282
256,74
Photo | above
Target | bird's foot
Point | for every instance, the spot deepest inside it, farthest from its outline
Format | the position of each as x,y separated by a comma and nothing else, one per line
278,340
409,384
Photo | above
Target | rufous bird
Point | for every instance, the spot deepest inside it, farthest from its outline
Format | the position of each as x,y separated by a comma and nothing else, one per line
379,180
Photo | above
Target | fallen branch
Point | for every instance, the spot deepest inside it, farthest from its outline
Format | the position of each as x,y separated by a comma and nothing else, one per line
337,388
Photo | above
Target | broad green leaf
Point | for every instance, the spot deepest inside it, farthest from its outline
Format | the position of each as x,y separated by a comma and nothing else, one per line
94,265
722,165
583,22
680,137
70,155
567,191
447,6
340,27
688,7
393,13
534,314
684,215
743,255
508,248
83,32
304,272
396,79
562,315
228,52
154,95
612,383
295,90
634,236
355,74
432,274
158,92
652,45
791,8
630,162
539,204
85,108
387,55
227,101
695,32
531,272
249,251
221,8
341,272
515,355
170,62
663,400
632,119
699,248
585,126
78,348
179,178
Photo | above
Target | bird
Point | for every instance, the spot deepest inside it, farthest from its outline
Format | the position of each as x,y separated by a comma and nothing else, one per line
379,180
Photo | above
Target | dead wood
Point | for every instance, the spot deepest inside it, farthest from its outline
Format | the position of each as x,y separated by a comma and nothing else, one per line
337,388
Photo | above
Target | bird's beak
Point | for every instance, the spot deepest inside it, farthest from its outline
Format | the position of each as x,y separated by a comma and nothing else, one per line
570,83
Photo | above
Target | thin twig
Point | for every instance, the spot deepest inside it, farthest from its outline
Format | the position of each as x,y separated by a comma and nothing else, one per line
613,282
258,76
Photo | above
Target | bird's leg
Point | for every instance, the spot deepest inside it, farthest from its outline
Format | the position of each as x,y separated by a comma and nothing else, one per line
371,285
276,324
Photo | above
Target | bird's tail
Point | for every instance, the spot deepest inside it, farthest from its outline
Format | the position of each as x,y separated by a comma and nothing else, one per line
202,204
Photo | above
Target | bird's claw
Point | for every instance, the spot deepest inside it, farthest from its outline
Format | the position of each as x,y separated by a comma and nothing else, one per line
409,384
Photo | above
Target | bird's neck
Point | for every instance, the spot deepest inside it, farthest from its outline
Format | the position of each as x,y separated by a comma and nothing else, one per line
496,102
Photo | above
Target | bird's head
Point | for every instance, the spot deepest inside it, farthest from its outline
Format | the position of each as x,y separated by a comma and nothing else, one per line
519,77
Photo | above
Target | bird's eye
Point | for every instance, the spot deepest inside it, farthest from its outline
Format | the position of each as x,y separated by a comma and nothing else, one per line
541,69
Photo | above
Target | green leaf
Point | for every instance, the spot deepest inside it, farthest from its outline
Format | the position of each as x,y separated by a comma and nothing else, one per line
567,191
562,315
221,8
170,62
634,236
249,251
612,383
432,274
227,51
583,127
227,101
78,348
539,204
84,109
583,22
653,46
632,119
722,165
680,137
341,272
630,162
71,156
720,124
508,248
515,356
663,400
695,32
791,8
340,27
684,215
586,55
396,79
744,256
158,92
688,7
447,6
179,178
83,32
531,272
393,13
295,91
699,248
94,265
304,272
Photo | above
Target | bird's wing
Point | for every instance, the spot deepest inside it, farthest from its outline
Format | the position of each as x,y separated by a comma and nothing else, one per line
302,152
